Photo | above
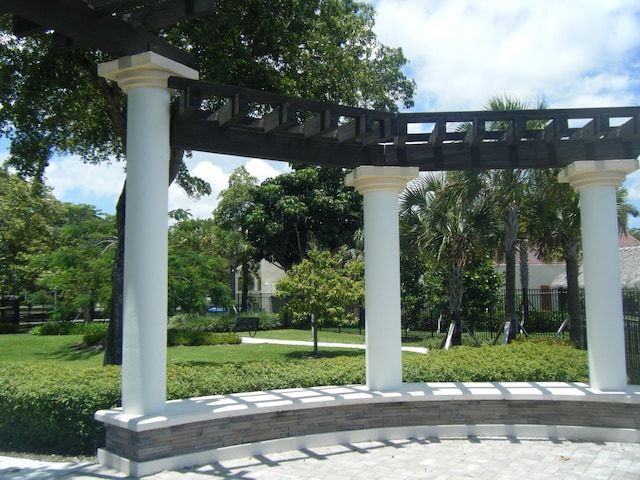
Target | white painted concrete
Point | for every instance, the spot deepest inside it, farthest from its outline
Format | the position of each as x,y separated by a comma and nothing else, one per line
380,187
597,181
144,78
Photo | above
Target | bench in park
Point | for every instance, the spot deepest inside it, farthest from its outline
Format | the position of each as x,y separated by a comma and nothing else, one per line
247,324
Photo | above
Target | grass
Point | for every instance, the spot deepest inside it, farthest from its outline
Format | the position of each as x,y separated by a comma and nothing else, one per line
59,350
224,354
305,336
50,349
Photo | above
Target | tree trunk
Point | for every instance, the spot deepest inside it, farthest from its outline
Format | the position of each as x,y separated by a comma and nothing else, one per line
524,279
314,326
88,312
456,291
245,286
574,304
510,219
113,342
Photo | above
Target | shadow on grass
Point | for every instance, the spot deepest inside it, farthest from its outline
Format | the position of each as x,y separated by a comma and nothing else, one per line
74,352
294,355
325,353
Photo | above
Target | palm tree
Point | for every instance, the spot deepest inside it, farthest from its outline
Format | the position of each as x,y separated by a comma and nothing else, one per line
507,187
551,214
441,214
625,209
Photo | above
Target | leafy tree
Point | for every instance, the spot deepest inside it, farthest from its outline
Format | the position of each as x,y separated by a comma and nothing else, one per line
308,206
324,286
324,50
79,266
28,221
321,49
414,288
236,202
505,186
482,287
196,270
551,218
441,215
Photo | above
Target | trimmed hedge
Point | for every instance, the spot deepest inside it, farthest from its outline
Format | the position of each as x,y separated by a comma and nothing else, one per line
50,408
70,328
194,338
538,360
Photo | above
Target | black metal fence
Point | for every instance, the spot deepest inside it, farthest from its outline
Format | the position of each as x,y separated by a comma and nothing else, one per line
632,340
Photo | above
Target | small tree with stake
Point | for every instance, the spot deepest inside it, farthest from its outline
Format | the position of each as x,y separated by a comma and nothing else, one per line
325,286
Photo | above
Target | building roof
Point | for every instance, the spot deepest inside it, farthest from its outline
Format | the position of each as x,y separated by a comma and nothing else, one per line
629,266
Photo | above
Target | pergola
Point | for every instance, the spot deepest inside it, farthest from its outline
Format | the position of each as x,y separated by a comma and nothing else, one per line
277,127
596,147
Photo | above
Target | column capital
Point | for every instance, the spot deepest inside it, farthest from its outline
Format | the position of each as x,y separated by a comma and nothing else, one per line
588,173
147,69
369,178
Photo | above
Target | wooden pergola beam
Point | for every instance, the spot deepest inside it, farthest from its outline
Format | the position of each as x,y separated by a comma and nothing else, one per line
348,137
90,28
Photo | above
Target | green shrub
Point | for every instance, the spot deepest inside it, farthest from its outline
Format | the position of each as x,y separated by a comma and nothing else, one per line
524,360
95,334
70,328
195,338
52,328
203,323
224,322
50,409
267,321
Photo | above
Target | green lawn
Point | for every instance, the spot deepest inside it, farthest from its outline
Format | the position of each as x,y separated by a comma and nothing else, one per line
59,349
51,349
305,335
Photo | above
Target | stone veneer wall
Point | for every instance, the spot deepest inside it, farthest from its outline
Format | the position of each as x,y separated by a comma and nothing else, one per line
258,426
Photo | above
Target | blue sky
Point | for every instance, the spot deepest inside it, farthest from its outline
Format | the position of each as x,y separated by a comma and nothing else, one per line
571,53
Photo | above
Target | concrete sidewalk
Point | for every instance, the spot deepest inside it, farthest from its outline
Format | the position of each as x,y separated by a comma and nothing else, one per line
442,459
323,344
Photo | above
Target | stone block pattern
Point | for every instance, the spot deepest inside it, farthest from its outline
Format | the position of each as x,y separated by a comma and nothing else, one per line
256,427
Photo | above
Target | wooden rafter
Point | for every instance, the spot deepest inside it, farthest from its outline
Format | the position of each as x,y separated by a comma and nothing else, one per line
116,27
334,135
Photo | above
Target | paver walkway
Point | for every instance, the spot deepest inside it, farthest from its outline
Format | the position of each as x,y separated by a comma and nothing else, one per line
441,459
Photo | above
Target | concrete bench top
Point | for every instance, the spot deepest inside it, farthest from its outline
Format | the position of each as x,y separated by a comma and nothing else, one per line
180,412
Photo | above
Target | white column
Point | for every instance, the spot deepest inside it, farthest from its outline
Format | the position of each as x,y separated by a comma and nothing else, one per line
144,356
597,181
380,187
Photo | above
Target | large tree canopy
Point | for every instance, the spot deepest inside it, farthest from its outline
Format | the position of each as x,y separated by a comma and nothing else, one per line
320,49
297,210
27,224
79,264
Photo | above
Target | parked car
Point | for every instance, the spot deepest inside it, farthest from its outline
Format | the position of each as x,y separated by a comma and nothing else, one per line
219,310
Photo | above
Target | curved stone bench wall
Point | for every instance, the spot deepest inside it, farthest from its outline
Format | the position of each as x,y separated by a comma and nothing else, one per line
201,430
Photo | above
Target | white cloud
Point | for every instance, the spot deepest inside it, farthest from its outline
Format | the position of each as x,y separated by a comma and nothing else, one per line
203,207
463,51
78,182
216,170
100,185
262,169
